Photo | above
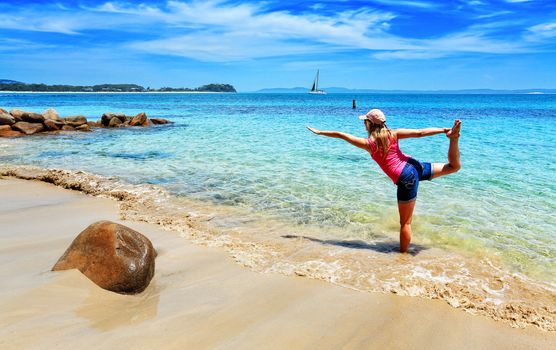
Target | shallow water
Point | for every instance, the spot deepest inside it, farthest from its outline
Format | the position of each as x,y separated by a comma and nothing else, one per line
251,153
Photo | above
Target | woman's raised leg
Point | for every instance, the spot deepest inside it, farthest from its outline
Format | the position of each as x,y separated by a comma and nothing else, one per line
454,164
406,214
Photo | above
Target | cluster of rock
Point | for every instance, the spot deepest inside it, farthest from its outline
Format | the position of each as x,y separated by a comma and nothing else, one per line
113,256
20,123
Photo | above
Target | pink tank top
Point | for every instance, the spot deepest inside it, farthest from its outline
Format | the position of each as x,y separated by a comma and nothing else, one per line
394,161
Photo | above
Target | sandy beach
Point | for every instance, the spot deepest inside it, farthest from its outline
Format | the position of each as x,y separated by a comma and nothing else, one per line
199,298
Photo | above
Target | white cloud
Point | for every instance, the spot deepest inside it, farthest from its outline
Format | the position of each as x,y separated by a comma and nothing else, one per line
64,26
18,45
542,31
408,3
214,30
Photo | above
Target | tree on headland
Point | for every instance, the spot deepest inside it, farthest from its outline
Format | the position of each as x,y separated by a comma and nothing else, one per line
8,85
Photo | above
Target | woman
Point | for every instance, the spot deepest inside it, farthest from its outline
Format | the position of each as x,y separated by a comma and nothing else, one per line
404,171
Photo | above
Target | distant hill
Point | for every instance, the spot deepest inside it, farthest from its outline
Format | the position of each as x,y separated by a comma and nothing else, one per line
7,81
12,85
341,90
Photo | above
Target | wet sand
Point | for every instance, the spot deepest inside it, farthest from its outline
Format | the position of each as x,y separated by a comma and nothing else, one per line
199,298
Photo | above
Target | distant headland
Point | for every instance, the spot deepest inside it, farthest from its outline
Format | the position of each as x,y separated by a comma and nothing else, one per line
12,85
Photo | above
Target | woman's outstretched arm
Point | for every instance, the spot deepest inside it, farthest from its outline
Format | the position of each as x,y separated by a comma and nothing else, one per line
354,140
410,133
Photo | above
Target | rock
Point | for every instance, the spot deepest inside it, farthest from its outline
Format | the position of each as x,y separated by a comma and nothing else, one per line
114,122
6,131
68,128
75,120
17,114
6,119
124,124
157,121
147,123
51,125
51,114
95,124
28,128
139,119
2,110
107,117
113,256
84,127
29,117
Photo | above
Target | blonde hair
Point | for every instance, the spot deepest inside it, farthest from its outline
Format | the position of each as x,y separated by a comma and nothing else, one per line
381,135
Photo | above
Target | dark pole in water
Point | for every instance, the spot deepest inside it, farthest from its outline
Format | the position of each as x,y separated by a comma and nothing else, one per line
354,104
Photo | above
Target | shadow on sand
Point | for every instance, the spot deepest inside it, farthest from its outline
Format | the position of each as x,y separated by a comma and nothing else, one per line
380,247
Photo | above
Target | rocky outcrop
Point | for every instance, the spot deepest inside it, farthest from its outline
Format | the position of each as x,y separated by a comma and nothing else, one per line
6,119
51,114
75,120
158,121
113,256
114,122
139,119
51,125
107,117
84,127
27,123
17,114
7,131
95,124
30,117
28,128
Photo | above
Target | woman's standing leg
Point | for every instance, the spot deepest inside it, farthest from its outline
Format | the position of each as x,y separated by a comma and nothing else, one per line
406,213
454,163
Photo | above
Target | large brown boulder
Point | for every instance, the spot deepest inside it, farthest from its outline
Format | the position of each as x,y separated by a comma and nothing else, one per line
114,122
139,119
28,128
68,128
6,119
75,120
51,114
25,116
107,117
113,256
6,131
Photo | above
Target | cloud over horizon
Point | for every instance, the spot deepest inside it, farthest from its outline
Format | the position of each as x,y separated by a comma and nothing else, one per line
241,33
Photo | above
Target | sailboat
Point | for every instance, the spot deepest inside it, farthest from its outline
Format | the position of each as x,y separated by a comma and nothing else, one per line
315,88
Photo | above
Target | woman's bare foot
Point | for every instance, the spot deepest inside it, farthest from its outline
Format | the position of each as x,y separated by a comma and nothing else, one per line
454,132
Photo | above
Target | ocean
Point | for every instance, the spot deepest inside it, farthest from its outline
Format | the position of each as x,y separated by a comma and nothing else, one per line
483,238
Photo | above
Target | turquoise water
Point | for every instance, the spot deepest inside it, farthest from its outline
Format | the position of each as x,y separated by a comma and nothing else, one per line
252,151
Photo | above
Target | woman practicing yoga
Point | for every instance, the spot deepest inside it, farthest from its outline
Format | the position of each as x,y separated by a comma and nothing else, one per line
404,171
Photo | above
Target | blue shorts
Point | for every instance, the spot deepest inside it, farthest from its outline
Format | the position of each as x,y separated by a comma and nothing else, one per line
408,182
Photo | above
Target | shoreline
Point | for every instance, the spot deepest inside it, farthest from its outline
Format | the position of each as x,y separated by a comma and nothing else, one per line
316,258
198,297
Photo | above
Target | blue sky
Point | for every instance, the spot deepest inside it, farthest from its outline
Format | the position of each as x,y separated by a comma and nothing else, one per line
378,44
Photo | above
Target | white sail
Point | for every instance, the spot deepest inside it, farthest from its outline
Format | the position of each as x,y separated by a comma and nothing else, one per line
315,87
